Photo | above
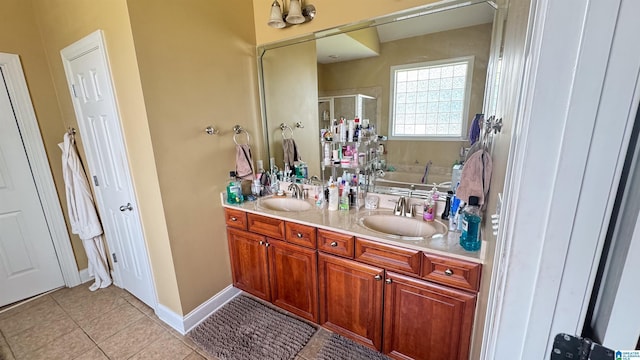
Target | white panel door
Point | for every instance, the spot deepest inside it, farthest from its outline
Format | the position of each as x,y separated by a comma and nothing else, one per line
97,114
28,261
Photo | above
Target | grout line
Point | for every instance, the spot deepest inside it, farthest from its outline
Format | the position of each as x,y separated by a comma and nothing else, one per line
22,302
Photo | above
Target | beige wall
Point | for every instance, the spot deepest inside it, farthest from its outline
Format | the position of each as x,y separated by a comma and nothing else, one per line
64,22
374,71
19,35
198,68
290,80
330,13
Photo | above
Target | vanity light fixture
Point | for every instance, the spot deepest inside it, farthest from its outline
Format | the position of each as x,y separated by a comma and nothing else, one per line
298,13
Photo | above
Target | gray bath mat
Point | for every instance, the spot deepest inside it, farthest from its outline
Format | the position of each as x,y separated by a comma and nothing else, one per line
245,329
339,348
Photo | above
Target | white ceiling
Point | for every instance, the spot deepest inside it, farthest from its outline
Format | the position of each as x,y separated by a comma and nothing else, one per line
341,47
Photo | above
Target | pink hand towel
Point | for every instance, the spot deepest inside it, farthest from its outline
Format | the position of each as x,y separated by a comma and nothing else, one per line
476,177
244,162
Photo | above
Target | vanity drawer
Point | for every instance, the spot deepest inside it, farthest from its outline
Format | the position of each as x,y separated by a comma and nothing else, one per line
235,218
301,234
335,243
388,256
453,272
266,226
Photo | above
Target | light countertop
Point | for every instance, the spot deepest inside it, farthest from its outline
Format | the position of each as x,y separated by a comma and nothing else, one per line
347,222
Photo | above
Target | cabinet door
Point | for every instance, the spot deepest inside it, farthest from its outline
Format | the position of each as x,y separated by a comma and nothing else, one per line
249,267
426,321
351,299
294,278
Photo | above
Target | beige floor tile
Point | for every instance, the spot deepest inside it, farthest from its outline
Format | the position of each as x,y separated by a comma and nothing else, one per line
131,339
185,339
5,351
64,347
138,304
25,305
195,356
91,307
94,354
206,355
111,322
44,311
310,351
166,347
39,336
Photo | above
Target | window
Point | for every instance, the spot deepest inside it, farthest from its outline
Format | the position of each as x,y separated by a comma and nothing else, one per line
430,100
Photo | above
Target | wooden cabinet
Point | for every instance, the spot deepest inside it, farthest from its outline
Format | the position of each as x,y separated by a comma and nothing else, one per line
403,302
294,279
351,299
423,320
275,271
235,218
388,256
249,265
335,243
302,235
456,273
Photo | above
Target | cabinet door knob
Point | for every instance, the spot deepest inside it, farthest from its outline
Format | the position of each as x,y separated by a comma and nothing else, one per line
233,218
448,272
388,281
261,242
299,235
334,244
267,244
378,277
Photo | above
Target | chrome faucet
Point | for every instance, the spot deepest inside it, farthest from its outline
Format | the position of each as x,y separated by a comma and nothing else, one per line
404,207
399,209
296,191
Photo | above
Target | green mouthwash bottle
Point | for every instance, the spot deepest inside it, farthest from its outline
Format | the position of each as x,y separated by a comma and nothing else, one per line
234,191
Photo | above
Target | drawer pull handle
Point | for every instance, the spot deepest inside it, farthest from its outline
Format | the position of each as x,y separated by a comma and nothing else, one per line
299,235
378,277
448,272
334,244
233,218
388,281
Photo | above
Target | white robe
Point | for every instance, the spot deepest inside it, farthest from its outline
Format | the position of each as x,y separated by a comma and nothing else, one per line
82,213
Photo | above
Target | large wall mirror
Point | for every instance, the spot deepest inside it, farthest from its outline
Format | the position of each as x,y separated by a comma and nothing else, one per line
347,71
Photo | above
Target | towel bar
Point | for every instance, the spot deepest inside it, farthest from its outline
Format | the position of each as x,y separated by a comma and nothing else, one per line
237,130
283,128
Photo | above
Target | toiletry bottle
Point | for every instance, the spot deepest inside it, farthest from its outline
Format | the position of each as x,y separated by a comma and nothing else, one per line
234,191
455,203
459,216
470,237
447,206
356,134
429,211
344,197
343,130
333,196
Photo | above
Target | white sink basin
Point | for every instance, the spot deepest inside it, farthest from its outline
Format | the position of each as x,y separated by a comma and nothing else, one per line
284,204
402,227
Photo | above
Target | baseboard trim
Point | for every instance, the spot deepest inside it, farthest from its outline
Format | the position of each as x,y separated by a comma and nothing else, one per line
84,276
184,324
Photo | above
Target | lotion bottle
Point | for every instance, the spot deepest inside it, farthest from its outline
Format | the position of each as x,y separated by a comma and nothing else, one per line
333,196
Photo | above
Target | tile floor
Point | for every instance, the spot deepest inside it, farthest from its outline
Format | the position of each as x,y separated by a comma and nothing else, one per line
107,324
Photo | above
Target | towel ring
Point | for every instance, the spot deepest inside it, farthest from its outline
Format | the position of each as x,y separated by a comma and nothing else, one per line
237,130
284,127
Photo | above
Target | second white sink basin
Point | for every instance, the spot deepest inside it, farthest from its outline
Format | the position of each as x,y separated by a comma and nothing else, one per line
403,227
284,204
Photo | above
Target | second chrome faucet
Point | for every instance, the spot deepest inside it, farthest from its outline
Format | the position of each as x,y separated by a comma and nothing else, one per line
404,208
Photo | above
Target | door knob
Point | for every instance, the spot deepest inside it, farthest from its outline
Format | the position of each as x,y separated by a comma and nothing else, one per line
126,207
334,243
378,277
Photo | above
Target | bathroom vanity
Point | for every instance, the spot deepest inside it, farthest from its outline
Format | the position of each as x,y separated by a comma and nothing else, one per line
410,299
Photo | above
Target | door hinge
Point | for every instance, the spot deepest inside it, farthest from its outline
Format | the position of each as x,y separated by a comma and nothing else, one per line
95,180
115,259
73,88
